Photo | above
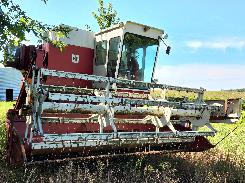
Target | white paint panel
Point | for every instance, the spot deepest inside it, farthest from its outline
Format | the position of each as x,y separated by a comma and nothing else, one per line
77,37
101,70
139,30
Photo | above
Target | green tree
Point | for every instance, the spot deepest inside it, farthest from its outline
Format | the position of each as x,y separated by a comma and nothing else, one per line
106,17
14,24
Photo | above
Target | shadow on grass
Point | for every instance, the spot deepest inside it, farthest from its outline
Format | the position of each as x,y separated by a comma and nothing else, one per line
209,166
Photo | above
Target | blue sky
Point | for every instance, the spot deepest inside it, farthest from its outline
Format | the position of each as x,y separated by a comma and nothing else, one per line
207,37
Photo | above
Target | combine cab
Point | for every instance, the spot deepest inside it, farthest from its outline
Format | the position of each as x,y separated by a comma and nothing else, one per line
98,97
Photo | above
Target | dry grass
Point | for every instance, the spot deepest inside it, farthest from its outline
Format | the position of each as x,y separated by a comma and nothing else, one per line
210,166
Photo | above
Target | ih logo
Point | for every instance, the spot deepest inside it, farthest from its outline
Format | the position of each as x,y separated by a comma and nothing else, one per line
75,58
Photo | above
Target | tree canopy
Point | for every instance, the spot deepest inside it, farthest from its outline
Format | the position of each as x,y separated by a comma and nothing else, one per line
106,17
15,23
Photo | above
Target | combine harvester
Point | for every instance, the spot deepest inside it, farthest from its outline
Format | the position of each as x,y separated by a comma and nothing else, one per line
98,97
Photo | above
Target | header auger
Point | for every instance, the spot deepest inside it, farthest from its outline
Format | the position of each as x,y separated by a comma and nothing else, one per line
98,97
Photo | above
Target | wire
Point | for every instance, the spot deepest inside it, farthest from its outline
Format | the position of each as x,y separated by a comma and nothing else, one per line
227,135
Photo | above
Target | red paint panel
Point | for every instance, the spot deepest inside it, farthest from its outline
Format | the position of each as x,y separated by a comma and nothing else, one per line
68,82
39,59
62,128
66,115
59,128
62,61
20,126
135,127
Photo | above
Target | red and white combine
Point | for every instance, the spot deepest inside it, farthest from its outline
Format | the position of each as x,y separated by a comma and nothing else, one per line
98,97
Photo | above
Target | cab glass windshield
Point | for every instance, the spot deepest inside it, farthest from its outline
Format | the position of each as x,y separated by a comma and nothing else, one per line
138,57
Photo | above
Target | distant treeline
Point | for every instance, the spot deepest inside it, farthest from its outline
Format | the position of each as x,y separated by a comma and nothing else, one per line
236,90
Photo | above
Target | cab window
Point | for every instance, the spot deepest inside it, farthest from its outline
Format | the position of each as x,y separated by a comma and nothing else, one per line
114,45
138,57
101,52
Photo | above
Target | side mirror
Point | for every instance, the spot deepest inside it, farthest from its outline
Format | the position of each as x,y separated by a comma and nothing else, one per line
166,36
168,50
168,47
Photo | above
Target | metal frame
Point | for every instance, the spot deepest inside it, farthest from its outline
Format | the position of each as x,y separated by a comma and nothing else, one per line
104,139
104,106
132,83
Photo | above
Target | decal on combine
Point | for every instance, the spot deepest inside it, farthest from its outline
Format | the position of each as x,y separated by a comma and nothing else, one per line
75,58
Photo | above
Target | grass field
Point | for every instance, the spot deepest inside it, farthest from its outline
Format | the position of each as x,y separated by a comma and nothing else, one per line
4,106
209,95
224,163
